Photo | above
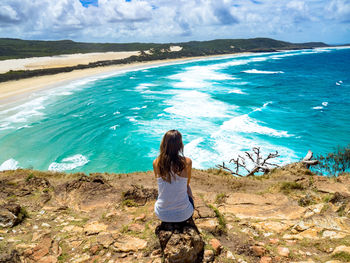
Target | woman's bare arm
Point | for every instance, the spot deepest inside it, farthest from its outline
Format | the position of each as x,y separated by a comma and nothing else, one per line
188,171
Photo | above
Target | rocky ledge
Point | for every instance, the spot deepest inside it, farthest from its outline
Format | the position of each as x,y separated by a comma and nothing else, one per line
288,215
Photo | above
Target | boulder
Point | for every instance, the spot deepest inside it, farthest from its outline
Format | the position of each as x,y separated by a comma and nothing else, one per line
140,195
180,242
10,215
9,257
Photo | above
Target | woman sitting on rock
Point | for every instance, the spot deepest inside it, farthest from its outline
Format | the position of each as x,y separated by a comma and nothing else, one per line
173,172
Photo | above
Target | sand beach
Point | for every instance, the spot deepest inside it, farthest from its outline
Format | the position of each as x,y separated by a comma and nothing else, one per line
12,89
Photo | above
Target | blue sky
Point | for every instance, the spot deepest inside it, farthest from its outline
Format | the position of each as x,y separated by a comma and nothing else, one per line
176,20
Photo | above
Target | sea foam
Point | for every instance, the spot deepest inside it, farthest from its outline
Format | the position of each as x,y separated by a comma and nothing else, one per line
69,163
255,71
10,164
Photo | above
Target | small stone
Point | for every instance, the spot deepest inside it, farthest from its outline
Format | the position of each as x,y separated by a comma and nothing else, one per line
137,227
208,255
229,255
216,245
45,225
48,259
142,217
129,243
156,253
258,251
95,227
82,258
274,240
265,260
341,249
94,249
283,251
35,227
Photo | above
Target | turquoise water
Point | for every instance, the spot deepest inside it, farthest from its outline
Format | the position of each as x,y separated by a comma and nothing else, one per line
287,101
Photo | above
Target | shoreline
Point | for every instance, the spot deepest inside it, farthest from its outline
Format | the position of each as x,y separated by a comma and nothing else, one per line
11,90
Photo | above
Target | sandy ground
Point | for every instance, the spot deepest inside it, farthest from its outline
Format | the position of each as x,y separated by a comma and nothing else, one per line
11,89
61,60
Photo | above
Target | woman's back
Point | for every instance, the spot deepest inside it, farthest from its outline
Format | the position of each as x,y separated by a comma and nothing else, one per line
173,172
173,204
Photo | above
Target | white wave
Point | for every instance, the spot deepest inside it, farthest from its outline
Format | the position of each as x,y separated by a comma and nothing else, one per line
283,55
116,113
255,71
263,107
318,108
136,108
103,115
69,163
325,103
198,77
65,93
199,155
23,112
131,119
237,91
114,127
194,104
10,164
245,124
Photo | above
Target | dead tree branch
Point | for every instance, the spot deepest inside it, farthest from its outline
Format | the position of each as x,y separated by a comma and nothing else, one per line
308,160
259,163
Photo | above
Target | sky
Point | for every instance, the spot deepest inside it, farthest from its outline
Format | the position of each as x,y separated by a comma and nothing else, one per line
176,20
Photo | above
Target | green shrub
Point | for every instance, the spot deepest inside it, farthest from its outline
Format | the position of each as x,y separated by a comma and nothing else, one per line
334,163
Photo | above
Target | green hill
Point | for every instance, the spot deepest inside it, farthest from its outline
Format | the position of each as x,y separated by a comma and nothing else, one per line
17,48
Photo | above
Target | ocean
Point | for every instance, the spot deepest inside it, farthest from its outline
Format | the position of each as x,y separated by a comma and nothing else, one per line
289,101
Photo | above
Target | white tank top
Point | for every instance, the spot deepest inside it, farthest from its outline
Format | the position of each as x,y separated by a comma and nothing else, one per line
173,204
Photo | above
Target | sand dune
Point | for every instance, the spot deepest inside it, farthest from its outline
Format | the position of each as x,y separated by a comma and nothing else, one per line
61,60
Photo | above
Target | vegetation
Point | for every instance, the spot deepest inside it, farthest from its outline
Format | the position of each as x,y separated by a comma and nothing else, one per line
334,163
17,48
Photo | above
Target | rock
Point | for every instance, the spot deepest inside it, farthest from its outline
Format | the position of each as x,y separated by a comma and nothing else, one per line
9,257
94,249
11,214
326,187
273,226
94,227
262,207
210,225
180,242
72,228
341,249
274,240
258,251
229,255
86,193
265,260
48,259
105,239
140,195
333,234
129,243
141,217
208,255
216,245
81,258
136,227
283,251
42,249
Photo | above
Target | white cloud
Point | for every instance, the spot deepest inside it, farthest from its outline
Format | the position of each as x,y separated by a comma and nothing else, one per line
174,21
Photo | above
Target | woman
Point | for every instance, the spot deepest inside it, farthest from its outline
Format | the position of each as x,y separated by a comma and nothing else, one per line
173,172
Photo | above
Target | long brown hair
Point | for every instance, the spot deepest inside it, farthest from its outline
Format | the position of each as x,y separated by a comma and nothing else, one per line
171,156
